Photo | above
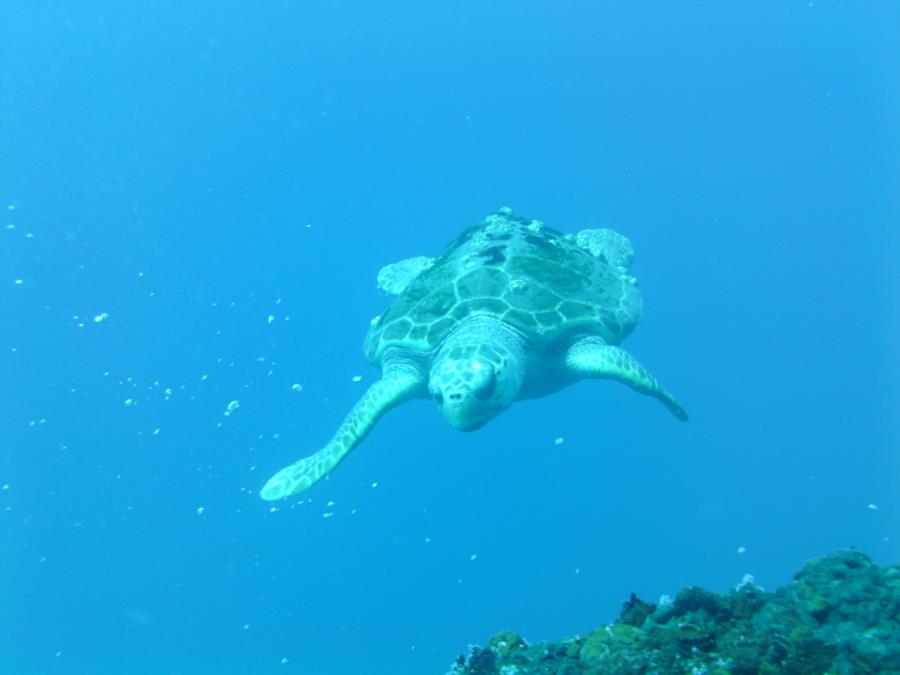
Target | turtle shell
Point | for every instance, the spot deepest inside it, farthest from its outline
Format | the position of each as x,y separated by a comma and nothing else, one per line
531,276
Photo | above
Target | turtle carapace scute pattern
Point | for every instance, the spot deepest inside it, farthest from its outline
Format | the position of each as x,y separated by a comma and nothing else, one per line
536,279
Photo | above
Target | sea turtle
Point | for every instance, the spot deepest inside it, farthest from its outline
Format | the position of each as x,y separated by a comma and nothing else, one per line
510,310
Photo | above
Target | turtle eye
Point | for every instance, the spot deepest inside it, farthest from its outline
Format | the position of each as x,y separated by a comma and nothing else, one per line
438,398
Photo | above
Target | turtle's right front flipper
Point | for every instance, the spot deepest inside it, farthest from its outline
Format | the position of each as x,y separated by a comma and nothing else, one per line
396,386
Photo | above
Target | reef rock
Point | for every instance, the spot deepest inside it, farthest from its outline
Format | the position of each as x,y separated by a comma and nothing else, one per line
840,615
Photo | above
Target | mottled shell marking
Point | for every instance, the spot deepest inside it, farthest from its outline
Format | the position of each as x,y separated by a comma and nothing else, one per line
535,278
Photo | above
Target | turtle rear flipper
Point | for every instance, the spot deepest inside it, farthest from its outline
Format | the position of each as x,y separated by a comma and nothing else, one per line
397,385
397,277
608,245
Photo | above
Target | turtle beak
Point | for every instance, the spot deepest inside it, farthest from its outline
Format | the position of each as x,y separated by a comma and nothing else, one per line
463,409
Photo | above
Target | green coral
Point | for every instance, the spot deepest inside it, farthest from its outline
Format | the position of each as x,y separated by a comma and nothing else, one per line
505,643
615,649
840,615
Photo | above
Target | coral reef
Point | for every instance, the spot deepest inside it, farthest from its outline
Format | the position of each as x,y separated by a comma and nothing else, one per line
840,614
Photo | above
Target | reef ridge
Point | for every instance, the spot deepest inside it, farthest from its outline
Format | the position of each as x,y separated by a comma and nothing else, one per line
840,615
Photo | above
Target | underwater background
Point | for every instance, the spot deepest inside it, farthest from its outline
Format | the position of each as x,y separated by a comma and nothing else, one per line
195,199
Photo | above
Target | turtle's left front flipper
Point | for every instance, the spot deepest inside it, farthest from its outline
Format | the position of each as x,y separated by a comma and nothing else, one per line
591,357
396,386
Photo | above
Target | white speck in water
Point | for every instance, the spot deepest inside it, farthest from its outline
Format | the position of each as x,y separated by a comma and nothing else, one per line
99,318
375,484
5,487
18,282
270,318
741,549
246,626
200,510
474,556
559,441
156,432
328,514
231,407
284,661
204,377
872,507
357,378
297,387
129,402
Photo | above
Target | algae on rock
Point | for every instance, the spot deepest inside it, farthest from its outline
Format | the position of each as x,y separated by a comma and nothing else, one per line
840,614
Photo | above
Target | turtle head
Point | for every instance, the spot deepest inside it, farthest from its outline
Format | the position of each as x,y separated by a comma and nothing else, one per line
469,392
474,380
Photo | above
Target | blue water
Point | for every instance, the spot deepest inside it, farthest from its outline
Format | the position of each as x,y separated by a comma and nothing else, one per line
195,199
